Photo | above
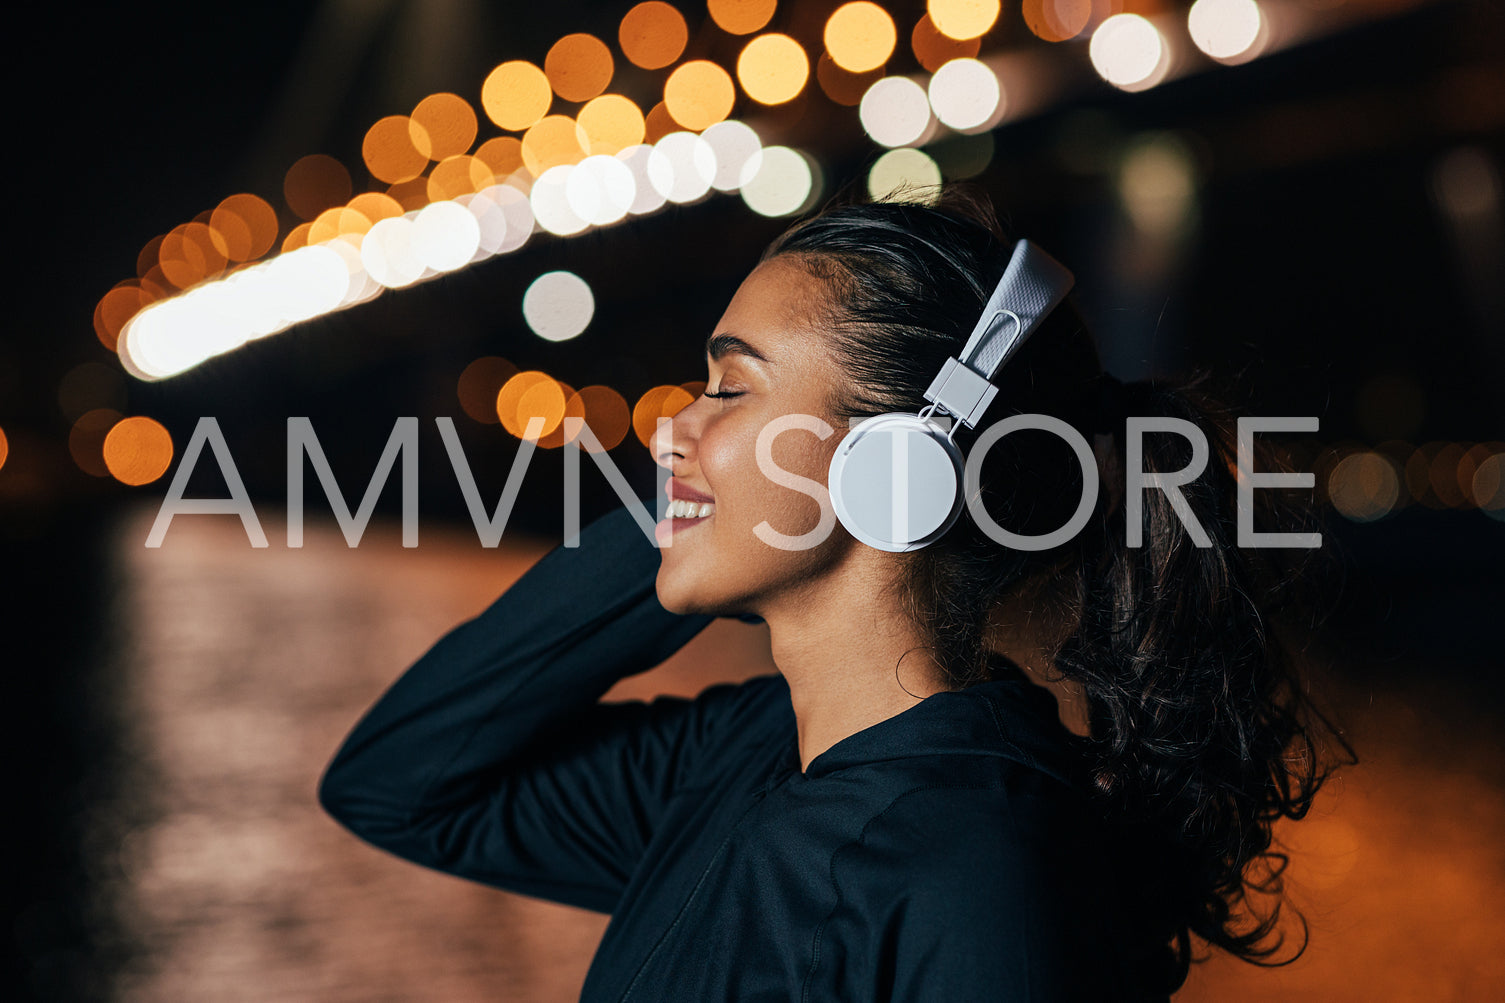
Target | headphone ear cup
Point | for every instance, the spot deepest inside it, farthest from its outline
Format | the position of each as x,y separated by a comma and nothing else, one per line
895,482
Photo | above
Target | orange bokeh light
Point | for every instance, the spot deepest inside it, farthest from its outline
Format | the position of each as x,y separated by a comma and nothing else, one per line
653,35
934,50
245,216
4,447
376,206
502,154
86,440
391,151
607,414
190,253
516,94
963,19
773,69
660,402
410,195
480,383
458,175
338,222
315,183
611,123
137,450
842,86
860,36
114,309
579,66
296,237
574,407
658,123
741,17
554,140
528,394
445,126
699,94
1057,20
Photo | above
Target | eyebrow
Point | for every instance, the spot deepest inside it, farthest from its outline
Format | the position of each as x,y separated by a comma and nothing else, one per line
718,345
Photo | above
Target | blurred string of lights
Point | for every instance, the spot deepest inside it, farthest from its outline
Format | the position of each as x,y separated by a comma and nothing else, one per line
441,201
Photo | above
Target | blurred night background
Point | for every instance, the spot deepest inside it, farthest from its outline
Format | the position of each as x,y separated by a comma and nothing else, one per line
1303,195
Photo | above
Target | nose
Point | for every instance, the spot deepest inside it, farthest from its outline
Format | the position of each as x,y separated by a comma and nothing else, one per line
675,438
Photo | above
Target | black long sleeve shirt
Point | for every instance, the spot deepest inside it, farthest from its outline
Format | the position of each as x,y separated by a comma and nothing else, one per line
946,853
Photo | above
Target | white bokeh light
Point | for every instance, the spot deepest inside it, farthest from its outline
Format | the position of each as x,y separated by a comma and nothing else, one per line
902,169
782,183
558,305
445,236
600,190
388,253
965,94
647,198
551,202
682,166
1129,52
735,145
1227,30
895,111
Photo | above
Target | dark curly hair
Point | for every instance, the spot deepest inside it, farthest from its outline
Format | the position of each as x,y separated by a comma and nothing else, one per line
1201,735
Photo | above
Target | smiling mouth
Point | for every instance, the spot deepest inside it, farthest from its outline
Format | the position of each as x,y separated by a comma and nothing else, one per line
680,509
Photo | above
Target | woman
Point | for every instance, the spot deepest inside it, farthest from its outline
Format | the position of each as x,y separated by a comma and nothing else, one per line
981,773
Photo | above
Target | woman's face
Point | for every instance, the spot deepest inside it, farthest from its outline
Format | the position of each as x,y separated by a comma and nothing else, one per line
770,357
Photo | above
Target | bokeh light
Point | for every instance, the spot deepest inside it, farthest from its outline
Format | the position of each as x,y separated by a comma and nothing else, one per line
248,224
443,126
738,150
646,197
297,237
653,35
445,236
189,254
966,95
659,402
516,94
411,195
658,123
605,411
480,383
843,87
376,206
934,50
114,310
1157,181
1444,476
550,202
573,407
527,395
4,448
895,112
1057,20
558,305
315,183
459,175
86,440
1364,486
860,36
698,94
773,69
503,155
137,450
390,151
1129,52
907,174
681,167
388,254
338,222
741,17
784,183
579,67
1231,31
611,123
600,189
962,19
1488,485
550,142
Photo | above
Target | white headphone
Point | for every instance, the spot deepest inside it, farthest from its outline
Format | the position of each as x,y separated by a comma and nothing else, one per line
896,479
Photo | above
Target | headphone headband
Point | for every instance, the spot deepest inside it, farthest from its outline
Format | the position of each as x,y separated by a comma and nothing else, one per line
1031,287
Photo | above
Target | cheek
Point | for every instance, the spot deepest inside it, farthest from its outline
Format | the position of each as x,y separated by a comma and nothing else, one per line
748,494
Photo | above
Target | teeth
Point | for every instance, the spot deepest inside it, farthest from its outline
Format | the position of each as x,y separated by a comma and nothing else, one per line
681,509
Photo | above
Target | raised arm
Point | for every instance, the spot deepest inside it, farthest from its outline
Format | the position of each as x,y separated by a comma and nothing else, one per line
492,757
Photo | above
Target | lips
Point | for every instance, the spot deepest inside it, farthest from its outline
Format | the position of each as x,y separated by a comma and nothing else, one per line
678,490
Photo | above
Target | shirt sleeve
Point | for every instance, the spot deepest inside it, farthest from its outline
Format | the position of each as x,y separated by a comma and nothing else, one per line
492,757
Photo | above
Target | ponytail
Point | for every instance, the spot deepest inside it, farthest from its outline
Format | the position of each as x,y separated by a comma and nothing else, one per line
1199,726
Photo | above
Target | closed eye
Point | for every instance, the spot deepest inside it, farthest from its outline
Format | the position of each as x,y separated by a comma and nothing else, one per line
721,394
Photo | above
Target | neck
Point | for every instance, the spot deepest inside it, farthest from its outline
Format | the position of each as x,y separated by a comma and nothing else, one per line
839,651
